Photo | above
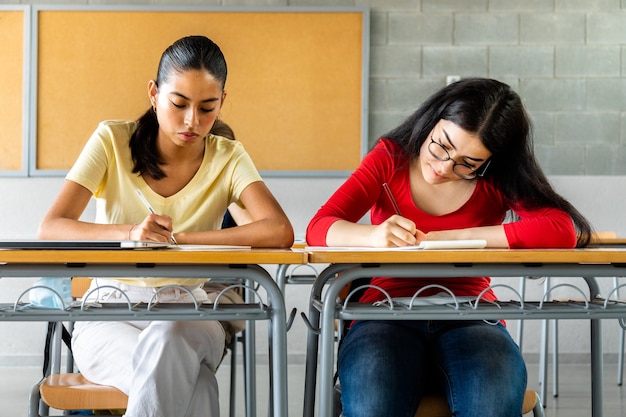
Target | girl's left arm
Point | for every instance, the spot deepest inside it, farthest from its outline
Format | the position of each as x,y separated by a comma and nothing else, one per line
494,235
539,228
268,224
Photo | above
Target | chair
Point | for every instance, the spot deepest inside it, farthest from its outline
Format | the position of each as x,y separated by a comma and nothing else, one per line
72,391
437,406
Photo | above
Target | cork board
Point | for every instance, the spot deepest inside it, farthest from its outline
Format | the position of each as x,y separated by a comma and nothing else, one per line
295,83
11,85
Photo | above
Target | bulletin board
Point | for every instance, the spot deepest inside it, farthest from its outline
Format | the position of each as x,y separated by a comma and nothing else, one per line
296,88
13,95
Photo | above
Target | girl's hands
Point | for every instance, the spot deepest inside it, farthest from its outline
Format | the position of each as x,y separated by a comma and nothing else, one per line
396,231
155,227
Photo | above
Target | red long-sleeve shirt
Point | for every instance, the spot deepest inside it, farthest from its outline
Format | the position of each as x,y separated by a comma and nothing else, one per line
362,191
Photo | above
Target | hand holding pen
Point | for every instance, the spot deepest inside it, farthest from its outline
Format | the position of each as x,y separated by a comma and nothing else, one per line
401,232
151,210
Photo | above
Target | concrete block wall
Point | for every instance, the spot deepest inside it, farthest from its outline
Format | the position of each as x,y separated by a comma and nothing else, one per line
565,58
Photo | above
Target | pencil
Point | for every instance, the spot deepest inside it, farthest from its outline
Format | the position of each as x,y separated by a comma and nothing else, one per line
393,200
151,210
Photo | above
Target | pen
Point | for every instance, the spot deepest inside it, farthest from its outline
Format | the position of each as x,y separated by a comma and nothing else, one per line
151,210
393,200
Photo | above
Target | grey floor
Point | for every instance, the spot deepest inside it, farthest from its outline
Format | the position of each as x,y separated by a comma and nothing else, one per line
573,399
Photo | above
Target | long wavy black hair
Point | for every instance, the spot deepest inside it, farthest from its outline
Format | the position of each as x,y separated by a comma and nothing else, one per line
495,113
188,53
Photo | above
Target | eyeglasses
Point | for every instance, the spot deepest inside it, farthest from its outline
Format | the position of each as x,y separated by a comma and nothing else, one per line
464,171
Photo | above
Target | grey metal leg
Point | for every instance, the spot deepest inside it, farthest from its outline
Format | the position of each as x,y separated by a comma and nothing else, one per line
520,327
555,358
249,360
543,361
312,349
620,351
281,277
596,354
620,359
233,378
596,368
538,409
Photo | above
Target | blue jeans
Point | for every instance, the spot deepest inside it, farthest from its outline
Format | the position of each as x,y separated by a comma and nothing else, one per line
386,366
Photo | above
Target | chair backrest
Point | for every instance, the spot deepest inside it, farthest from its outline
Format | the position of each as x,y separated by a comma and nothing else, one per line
79,287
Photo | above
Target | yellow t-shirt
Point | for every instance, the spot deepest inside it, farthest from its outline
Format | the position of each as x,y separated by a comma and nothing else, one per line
105,166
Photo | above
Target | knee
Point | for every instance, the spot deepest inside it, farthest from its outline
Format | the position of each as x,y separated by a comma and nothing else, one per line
179,334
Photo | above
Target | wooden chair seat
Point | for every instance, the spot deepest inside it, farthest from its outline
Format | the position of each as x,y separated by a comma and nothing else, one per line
74,392
437,406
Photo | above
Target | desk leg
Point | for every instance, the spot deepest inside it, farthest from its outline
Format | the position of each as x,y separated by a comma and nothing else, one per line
327,340
596,353
281,277
277,341
278,356
249,362
596,368
310,373
310,377
327,358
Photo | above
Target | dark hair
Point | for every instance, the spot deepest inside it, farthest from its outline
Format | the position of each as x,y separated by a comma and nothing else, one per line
495,113
188,53
220,128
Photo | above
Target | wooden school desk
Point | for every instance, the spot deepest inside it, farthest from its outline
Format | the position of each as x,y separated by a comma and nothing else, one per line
346,266
225,265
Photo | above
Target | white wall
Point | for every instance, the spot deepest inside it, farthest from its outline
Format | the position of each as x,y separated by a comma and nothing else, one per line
26,200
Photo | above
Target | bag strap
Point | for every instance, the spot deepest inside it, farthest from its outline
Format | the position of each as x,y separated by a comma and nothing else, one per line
67,339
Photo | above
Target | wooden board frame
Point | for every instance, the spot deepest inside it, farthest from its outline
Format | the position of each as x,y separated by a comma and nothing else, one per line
14,82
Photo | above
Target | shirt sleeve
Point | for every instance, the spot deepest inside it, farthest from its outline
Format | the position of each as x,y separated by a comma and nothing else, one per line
244,172
354,197
91,165
541,228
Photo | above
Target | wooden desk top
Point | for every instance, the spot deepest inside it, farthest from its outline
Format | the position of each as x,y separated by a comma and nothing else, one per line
530,256
155,256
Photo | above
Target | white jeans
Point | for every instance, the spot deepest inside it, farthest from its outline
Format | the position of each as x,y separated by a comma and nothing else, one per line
167,368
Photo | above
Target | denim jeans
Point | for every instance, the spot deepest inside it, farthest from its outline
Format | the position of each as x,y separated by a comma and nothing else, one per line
386,366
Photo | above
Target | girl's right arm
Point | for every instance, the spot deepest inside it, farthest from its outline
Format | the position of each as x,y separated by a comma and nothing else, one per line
395,231
62,221
337,222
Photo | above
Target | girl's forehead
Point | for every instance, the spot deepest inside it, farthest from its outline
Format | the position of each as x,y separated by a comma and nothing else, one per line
194,76
193,83
465,142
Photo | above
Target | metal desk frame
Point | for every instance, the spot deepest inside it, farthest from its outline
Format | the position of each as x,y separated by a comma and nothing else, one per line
167,264
324,308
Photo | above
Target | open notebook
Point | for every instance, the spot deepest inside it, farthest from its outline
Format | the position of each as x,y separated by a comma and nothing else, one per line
17,244
424,245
